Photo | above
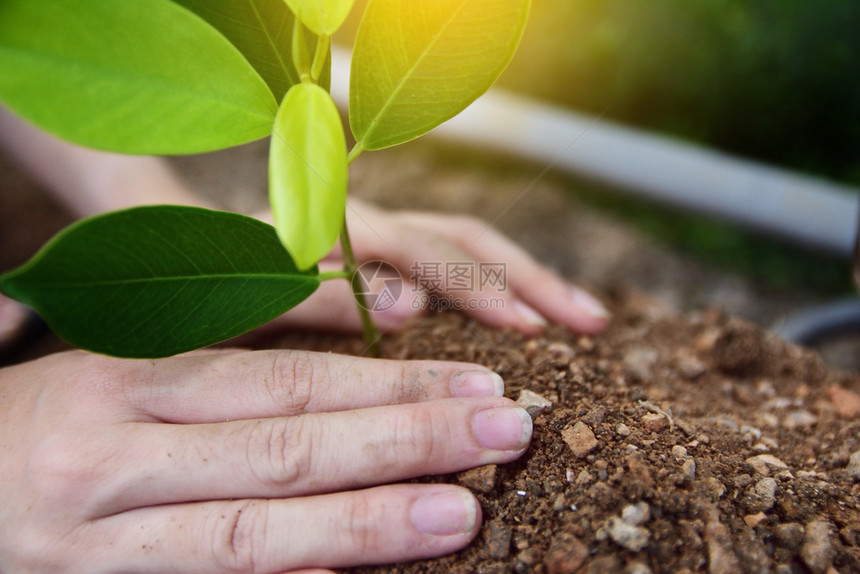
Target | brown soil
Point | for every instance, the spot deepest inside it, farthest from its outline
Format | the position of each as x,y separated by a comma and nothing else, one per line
675,443
685,439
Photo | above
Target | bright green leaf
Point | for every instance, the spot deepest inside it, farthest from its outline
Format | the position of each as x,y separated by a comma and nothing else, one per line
156,281
142,76
417,64
263,31
322,17
308,174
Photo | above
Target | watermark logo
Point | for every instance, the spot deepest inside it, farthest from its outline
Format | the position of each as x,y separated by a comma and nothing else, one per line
436,285
381,285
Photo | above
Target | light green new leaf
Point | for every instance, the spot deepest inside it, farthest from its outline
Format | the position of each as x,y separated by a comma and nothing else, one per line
156,281
263,31
417,63
322,17
142,76
308,174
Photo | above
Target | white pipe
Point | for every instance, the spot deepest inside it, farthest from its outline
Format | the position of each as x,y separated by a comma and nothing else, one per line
806,210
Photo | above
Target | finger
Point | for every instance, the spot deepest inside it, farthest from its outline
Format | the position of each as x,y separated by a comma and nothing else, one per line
378,526
311,454
412,249
538,290
202,388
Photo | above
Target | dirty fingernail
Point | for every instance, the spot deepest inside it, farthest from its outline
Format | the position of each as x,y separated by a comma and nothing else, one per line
589,303
477,384
529,315
445,514
506,428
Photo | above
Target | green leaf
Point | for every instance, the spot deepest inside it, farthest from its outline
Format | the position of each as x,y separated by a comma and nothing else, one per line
156,281
308,174
263,31
322,17
418,64
146,76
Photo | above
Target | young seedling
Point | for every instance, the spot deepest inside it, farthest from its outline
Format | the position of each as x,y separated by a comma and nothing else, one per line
188,76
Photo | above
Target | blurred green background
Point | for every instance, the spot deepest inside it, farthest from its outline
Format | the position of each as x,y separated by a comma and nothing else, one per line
772,80
775,80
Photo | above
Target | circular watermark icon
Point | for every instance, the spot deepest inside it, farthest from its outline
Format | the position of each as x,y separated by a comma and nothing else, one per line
381,285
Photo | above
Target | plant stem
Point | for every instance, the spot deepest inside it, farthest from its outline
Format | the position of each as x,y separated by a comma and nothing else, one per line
354,153
320,57
350,267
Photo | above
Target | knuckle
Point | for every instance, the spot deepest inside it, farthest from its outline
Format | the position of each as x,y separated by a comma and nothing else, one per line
423,433
292,381
280,452
362,520
239,535
59,470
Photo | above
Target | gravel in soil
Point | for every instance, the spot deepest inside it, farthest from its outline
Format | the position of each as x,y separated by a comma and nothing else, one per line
674,443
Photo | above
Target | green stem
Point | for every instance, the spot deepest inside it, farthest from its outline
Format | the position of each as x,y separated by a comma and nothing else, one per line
320,57
350,266
356,151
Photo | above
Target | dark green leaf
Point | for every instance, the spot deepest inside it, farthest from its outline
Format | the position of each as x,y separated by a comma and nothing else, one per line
142,76
263,32
157,281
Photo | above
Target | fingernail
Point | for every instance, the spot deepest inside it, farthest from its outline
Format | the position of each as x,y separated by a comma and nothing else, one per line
445,514
589,303
477,384
506,428
529,315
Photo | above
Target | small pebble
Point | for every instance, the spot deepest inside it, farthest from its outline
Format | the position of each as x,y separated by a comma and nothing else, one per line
633,538
800,419
636,514
639,363
788,535
689,469
845,402
580,438
853,467
766,464
753,520
482,479
533,403
817,551
654,422
622,430
499,540
595,416
565,555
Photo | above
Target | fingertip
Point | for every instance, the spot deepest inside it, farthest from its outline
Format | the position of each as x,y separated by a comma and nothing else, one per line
589,305
452,513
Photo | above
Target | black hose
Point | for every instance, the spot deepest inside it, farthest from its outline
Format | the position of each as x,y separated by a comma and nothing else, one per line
827,321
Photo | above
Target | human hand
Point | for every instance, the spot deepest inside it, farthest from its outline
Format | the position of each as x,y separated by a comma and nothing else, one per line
227,461
532,296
